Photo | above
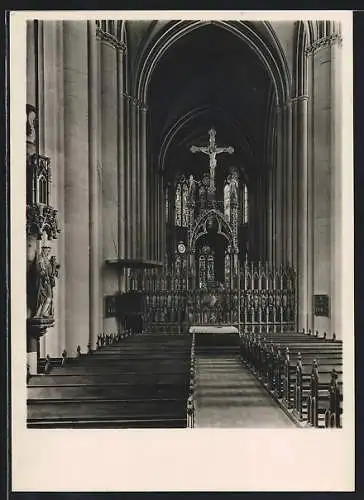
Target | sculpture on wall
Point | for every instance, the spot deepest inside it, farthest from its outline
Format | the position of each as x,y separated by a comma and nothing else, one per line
47,272
31,122
41,228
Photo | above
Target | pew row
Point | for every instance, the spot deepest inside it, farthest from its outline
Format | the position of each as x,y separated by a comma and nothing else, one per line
135,381
303,372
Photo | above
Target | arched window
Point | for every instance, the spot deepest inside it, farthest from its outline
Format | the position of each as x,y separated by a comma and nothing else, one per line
185,205
202,194
42,190
178,205
178,266
210,268
202,271
181,204
245,205
206,263
227,201
227,269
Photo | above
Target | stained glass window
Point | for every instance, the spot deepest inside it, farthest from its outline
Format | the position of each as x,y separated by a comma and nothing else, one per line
181,204
227,269
210,268
245,204
178,205
178,266
202,195
185,205
227,201
202,271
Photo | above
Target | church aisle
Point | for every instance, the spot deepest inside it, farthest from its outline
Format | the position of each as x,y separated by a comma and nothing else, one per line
228,395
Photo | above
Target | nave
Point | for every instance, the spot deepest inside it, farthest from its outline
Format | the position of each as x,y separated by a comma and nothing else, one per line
179,174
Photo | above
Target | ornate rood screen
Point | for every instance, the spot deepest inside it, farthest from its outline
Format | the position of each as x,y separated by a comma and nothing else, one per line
208,277
207,252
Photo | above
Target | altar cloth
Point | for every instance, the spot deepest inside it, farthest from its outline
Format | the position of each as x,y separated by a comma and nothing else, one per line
213,329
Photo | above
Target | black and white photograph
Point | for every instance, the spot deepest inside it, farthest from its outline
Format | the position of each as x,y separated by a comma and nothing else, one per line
187,218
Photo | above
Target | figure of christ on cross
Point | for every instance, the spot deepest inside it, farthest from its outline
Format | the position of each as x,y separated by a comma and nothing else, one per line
212,150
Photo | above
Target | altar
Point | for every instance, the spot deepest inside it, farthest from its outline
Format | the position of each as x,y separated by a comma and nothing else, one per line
213,329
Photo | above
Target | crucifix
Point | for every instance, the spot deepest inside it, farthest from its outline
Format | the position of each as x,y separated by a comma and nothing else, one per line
212,150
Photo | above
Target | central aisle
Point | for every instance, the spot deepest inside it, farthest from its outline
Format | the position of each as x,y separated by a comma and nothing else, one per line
228,395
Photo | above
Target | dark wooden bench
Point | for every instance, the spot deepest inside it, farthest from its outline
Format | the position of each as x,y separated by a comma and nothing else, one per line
325,397
137,381
53,412
107,378
114,391
284,363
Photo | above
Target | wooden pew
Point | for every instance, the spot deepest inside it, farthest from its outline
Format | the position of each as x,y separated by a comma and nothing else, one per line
137,381
284,362
325,397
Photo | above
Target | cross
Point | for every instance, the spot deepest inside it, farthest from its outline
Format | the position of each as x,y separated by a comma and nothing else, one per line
212,150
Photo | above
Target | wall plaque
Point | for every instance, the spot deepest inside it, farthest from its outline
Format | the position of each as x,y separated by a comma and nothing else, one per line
321,305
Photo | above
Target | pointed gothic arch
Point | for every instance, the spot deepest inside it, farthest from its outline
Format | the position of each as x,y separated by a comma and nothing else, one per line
267,49
200,228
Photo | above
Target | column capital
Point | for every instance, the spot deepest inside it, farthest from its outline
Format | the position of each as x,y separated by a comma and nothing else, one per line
324,42
299,99
110,39
136,102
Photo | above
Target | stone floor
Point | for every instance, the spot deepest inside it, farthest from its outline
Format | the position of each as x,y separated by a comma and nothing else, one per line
228,395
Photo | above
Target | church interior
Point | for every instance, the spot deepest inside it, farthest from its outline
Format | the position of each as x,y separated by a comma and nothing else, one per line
184,224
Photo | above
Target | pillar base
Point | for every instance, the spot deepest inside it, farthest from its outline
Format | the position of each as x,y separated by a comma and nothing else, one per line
32,363
36,328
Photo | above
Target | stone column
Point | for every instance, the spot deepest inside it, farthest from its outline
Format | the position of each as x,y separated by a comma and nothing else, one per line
295,186
322,175
160,217
270,218
289,190
134,181
129,196
149,219
121,143
51,343
109,169
144,166
138,186
76,151
278,190
153,214
41,131
261,202
337,182
301,113
283,186
275,211
310,194
94,208
59,176
266,203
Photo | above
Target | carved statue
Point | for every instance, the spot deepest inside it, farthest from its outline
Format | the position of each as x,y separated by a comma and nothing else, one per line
41,280
31,118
